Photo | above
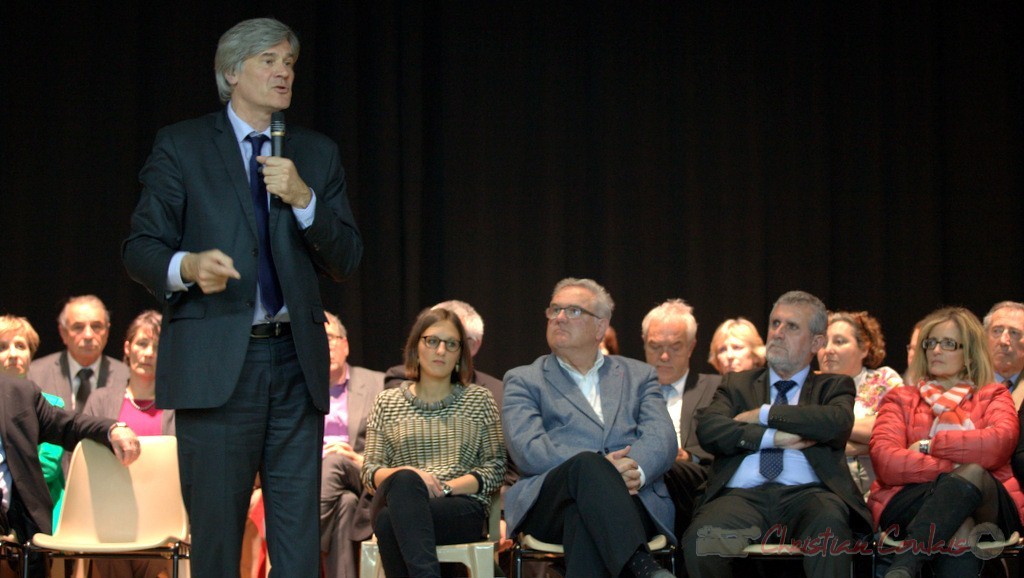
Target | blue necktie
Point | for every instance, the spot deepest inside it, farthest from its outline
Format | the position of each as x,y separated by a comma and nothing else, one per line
771,458
668,391
270,287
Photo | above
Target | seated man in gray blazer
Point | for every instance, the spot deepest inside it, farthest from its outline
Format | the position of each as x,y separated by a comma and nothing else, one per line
592,439
669,332
344,503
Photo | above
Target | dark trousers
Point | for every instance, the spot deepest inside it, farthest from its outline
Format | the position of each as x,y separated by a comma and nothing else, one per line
737,517
24,528
585,506
344,515
268,425
683,481
409,525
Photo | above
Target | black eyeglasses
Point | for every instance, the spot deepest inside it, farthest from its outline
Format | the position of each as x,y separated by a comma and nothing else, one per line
946,344
571,312
432,341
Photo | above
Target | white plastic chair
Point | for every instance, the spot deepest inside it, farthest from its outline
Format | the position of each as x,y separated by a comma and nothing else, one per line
478,557
527,546
110,510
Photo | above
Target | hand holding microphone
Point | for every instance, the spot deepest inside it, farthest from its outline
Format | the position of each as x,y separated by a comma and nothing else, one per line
279,173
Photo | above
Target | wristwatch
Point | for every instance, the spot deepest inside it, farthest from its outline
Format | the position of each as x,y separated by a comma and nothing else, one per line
924,446
446,489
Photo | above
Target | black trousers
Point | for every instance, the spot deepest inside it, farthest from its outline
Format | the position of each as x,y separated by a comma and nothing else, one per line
737,517
409,525
585,506
683,481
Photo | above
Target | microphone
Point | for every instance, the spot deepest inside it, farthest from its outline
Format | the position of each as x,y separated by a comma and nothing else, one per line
277,134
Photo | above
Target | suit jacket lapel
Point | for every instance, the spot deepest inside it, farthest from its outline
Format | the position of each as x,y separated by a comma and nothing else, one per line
690,400
560,382
613,389
761,394
236,173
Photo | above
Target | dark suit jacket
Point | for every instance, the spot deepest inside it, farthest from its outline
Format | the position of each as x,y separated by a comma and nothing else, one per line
50,373
26,419
698,392
547,420
195,196
107,403
394,377
824,414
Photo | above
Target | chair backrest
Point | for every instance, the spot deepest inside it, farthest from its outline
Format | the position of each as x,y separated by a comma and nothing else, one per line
494,518
106,502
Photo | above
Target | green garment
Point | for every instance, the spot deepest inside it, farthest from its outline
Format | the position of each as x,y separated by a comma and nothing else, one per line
50,456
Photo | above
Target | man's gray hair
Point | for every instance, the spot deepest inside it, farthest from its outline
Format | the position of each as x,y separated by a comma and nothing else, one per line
243,41
818,323
1001,305
471,320
671,309
333,320
603,304
62,318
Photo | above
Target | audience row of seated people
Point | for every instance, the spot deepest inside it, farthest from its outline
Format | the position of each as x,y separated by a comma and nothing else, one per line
766,450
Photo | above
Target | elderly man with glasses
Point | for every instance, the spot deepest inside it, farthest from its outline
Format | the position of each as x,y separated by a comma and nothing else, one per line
592,439
1004,326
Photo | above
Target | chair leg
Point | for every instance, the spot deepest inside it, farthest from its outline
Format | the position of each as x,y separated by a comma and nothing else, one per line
481,562
517,561
369,560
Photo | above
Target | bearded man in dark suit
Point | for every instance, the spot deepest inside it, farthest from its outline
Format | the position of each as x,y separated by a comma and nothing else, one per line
243,351
778,435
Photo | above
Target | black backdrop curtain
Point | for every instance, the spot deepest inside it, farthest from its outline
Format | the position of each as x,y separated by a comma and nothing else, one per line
867,152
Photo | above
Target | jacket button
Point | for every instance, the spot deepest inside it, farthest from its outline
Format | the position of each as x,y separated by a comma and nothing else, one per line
250,304
255,252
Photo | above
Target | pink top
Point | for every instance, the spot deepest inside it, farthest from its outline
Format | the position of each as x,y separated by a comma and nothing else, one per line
143,423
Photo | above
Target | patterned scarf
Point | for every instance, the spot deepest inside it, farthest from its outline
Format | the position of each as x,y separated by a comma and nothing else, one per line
945,405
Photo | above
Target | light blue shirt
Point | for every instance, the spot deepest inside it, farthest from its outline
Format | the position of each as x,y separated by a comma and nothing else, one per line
590,387
795,467
304,217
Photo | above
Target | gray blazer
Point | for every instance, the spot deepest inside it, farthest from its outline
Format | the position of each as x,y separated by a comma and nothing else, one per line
107,403
51,374
698,392
547,420
363,387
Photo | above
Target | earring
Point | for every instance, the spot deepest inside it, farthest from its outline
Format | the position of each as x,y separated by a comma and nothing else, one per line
457,365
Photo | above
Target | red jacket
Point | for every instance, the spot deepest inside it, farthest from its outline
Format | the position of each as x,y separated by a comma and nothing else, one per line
905,418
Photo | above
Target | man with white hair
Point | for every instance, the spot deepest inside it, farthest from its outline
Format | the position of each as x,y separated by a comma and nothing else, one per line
669,332
1004,326
474,325
81,368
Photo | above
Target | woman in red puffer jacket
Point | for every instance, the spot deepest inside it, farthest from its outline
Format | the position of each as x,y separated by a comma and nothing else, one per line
941,448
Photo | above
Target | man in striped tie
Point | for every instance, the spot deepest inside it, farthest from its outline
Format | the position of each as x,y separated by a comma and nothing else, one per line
778,435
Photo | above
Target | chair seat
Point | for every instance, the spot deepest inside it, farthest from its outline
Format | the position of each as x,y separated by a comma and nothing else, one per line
529,542
50,543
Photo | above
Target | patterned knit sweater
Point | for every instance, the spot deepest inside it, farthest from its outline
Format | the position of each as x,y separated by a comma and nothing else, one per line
463,437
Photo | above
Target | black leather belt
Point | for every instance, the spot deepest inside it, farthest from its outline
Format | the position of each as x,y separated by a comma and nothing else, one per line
268,330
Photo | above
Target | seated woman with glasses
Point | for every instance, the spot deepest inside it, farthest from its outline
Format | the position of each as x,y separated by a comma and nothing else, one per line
736,346
434,451
941,449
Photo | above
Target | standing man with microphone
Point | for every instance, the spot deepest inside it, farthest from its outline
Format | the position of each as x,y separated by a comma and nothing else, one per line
243,351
